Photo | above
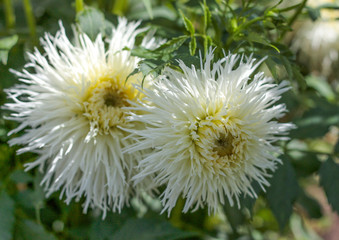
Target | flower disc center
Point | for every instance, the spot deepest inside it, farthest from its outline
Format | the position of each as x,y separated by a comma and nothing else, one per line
219,143
103,104
114,99
223,145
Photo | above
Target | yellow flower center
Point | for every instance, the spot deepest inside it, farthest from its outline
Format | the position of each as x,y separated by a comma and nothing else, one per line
219,143
104,100
223,146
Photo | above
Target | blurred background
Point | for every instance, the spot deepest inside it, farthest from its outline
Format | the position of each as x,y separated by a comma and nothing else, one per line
301,42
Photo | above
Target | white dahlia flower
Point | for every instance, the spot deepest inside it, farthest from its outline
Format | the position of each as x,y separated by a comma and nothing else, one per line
212,132
316,43
317,46
71,107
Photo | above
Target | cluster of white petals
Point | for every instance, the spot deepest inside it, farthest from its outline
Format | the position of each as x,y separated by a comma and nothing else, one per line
212,131
204,134
71,104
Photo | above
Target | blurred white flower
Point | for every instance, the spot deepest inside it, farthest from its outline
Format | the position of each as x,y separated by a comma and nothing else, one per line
317,46
211,130
317,43
71,107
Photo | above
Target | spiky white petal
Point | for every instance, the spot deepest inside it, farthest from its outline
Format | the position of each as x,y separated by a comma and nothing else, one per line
71,107
212,131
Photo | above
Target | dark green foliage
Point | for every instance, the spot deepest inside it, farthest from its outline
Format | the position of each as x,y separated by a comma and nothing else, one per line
317,120
309,204
336,149
282,192
305,163
329,180
150,229
28,229
7,216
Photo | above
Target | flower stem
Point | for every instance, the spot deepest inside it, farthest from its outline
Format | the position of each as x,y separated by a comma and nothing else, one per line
293,18
9,14
37,214
30,19
176,213
79,5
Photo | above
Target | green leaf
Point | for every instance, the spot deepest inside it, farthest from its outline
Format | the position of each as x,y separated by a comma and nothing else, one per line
321,86
150,229
329,180
316,122
304,161
28,230
192,46
282,192
272,66
188,59
104,229
207,43
235,216
207,15
188,24
171,45
255,37
38,195
336,148
314,13
92,22
6,216
144,53
299,77
247,201
120,7
20,176
5,45
309,204
163,52
148,6
333,6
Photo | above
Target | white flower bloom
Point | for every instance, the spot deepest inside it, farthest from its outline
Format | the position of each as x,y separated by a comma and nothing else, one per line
211,130
316,43
317,46
72,110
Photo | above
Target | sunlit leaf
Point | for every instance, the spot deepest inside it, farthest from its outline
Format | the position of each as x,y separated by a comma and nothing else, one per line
188,24
207,15
92,22
5,45
193,46
148,6
321,86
